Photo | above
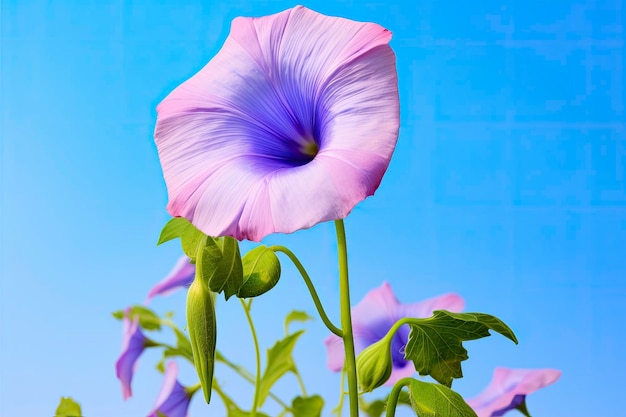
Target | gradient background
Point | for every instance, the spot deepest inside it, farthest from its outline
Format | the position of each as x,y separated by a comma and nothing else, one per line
508,187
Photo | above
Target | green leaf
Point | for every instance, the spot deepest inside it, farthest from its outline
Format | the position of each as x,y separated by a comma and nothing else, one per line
435,344
308,406
296,315
279,362
190,237
68,408
148,319
261,272
202,333
183,344
435,400
232,409
374,408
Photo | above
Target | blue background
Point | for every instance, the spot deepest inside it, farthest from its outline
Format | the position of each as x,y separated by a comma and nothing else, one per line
508,187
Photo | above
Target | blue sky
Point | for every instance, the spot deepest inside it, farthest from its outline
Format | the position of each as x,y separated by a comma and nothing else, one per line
507,186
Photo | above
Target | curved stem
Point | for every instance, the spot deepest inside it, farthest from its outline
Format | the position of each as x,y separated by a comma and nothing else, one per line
309,285
346,319
257,384
392,400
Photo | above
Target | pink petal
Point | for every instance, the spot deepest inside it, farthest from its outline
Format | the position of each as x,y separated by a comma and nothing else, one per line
508,383
334,352
423,309
230,139
376,312
133,345
180,276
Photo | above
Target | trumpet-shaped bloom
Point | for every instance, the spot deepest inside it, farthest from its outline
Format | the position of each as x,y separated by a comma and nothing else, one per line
372,318
173,399
509,388
292,123
133,344
180,276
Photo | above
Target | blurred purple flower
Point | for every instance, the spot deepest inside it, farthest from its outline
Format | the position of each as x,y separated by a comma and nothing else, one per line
291,124
133,344
180,276
173,399
372,318
509,388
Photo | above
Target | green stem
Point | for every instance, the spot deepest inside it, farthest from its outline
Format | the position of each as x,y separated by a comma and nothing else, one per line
346,319
309,285
392,400
257,384
301,382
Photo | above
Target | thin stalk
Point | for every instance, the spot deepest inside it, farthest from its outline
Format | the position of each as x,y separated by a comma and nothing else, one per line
309,285
339,408
257,384
346,319
301,382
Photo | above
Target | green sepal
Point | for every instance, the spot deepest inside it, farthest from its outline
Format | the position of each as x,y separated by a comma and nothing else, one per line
435,400
522,408
190,237
68,408
435,344
202,332
307,406
279,362
222,262
261,272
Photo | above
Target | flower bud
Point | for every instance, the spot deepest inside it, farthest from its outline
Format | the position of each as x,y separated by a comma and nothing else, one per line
373,365
202,332
261,271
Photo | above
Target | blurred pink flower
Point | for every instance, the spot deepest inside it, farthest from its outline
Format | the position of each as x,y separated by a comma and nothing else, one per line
509,388
375,315
173,399
292,123
180,276
133,344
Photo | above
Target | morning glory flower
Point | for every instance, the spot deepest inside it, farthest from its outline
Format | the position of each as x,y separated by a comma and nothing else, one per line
133,344
508,390
292,123
173,399
372,318
180,276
